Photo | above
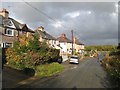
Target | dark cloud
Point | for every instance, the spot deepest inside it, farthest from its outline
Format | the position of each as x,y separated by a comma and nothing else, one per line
92,22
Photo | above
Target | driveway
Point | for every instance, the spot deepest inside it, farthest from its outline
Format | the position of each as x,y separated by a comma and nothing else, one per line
87,74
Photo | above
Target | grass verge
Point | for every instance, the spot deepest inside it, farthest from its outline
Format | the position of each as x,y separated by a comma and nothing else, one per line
47,70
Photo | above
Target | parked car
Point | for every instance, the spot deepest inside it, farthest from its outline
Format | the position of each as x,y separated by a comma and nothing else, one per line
74,59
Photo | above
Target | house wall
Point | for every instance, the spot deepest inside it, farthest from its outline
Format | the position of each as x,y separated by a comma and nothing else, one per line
51,42
79,47
10,39
69,48
41,39
82,47
23,33
6,39
64,47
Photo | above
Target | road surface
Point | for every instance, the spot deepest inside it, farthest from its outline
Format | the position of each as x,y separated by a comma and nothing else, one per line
87,74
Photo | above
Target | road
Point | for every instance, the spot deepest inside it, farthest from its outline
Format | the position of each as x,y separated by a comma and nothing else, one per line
87,74
11,77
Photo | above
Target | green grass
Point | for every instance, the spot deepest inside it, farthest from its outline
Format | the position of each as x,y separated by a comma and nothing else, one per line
47,70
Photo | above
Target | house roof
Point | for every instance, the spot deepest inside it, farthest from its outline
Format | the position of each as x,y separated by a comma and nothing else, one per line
18,25
63,38
45,35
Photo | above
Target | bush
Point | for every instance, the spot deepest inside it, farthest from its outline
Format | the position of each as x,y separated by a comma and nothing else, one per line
29,52
113,69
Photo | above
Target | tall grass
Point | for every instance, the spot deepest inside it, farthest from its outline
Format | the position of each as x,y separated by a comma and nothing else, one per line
47,70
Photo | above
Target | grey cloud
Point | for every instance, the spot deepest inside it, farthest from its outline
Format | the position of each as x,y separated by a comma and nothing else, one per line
97,28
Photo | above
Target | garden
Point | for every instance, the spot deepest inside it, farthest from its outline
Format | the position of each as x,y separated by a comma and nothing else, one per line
30,55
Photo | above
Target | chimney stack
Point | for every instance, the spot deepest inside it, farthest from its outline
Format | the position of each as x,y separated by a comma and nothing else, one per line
41,28
63,35
4,13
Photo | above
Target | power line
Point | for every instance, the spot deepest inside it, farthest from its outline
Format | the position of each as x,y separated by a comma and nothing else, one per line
77,36
45,14
49,17
41,12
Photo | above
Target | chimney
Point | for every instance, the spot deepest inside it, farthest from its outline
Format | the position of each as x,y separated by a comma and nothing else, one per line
4,13
41,28
63,35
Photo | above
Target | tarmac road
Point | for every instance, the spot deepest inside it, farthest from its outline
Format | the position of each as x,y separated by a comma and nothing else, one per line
87,74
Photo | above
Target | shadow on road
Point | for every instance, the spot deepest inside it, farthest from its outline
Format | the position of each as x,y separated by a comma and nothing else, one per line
74,88
11,77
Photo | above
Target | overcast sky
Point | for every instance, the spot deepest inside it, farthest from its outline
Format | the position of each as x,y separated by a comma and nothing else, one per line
93,23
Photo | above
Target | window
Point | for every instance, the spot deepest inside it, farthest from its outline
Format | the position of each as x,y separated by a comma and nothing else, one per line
9,32
6,45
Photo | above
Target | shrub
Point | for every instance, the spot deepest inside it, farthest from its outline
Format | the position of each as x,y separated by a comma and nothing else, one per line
29,52
113,69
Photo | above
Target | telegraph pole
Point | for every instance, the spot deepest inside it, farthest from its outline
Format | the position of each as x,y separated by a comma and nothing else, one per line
72,41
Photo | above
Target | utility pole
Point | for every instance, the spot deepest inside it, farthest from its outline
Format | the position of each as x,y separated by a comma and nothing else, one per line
72,41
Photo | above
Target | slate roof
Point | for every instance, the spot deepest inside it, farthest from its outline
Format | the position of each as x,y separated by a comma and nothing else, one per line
45,35
18,25
63,38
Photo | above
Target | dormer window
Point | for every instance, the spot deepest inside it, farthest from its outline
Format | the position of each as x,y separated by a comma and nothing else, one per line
9,32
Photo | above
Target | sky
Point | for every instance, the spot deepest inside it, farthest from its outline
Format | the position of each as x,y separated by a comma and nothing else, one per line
93,23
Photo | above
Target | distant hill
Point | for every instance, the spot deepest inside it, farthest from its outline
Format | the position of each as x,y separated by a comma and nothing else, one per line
101,47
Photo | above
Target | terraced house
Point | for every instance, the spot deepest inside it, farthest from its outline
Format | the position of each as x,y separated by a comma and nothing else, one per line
10,29
45,36
78,46
66,45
